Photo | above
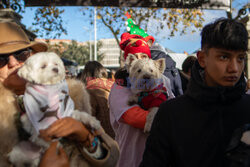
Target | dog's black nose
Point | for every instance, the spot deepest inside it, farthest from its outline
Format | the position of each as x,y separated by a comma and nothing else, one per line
146,77
55,70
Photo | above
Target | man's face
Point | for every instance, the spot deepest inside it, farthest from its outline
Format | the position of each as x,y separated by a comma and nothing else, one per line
8,72
222,67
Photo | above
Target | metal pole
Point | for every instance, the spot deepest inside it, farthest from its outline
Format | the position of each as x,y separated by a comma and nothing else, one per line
90,51
95,36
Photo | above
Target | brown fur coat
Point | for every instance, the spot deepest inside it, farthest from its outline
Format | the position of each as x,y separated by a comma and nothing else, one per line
8,131
9,135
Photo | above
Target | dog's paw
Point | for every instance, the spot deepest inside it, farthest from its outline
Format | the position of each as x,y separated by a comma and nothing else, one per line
86,119
150,119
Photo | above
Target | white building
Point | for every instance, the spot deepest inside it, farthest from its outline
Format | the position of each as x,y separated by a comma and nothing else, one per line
111,51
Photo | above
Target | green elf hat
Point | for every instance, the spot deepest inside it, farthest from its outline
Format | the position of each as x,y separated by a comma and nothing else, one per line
134,29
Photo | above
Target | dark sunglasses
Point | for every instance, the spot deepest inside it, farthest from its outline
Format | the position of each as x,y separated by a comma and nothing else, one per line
20,56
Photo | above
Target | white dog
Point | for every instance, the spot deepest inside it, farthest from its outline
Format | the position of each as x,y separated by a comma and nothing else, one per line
147,84
46,100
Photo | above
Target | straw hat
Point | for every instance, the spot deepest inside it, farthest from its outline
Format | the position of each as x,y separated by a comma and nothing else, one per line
13,38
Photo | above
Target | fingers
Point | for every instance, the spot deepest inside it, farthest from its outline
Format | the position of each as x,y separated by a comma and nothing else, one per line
54,158
61,152
59,128
63,128
66,127
52,147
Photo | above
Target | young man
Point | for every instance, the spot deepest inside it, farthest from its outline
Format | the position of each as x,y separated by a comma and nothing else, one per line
194,130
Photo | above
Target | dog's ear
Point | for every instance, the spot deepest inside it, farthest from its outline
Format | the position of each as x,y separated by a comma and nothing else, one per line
25,73
130,58
160,64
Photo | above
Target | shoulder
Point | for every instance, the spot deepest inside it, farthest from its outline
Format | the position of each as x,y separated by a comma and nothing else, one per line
244,101
177,104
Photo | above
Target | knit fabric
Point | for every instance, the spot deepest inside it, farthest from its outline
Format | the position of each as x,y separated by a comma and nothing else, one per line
153,98
132,43
45,104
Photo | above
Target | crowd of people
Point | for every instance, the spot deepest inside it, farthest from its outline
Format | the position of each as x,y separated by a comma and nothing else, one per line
198,116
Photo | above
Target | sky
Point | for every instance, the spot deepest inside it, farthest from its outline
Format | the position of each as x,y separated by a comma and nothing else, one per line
78,28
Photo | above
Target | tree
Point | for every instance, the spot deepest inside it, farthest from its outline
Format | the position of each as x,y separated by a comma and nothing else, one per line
47,20
240,8
171,19
75,52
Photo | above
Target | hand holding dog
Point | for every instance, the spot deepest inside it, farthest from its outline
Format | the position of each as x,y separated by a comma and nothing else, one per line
51,158
67,127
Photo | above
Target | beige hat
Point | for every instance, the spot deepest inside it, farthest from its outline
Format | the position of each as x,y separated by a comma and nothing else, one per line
13,38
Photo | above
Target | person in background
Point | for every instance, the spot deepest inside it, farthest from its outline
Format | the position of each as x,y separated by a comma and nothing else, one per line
15,48
129,121
98,86
157,52
185,73
195,129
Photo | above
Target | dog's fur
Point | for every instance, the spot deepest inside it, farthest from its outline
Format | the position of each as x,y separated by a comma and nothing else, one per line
47,68
8,131
43,68
144,75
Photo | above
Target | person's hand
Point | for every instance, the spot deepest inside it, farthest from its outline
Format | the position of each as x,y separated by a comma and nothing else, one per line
70,128
54,158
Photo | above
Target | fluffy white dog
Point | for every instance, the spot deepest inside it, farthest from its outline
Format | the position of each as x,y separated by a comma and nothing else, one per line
147,84
144,75
46,100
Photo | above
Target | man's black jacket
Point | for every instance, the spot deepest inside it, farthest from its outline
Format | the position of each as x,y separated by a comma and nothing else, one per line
194,130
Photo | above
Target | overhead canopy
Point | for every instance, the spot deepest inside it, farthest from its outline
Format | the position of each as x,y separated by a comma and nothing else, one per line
205,4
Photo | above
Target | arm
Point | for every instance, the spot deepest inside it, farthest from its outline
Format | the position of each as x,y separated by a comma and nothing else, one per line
53,158
111,153
108,152
157,151
133,115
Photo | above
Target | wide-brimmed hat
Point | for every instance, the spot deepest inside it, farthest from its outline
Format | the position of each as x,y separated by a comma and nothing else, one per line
13,38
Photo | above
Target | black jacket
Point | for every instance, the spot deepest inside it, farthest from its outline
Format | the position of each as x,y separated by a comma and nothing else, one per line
171,71
194,130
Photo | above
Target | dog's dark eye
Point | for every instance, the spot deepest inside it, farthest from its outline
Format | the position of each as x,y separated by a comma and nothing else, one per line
56,64
139,71
151,70
44,66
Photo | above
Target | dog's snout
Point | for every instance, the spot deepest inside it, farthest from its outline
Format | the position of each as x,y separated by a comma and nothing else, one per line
55,70
146,77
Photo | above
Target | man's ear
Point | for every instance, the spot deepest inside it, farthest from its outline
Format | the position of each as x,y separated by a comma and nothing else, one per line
201,58
130,58
150,43
160,64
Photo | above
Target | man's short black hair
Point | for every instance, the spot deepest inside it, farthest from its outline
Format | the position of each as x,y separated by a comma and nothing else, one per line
226,34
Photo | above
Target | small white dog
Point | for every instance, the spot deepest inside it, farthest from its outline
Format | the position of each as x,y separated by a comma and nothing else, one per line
147,84
46,100
144,75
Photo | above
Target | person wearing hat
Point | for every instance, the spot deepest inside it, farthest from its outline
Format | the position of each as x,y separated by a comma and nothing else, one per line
128,121
15,48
